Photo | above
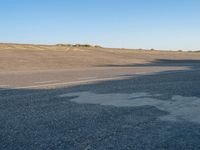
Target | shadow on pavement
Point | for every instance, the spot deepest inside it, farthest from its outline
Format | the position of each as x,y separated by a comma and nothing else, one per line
40,119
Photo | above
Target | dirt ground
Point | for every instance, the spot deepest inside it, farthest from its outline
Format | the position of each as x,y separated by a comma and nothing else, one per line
16,57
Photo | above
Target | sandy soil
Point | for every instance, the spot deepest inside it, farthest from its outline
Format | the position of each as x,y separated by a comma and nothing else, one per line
16,57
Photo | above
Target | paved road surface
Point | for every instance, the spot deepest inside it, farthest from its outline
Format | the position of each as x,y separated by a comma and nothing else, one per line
56,78
115,108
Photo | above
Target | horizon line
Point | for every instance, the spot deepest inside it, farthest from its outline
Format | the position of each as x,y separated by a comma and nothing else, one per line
93,45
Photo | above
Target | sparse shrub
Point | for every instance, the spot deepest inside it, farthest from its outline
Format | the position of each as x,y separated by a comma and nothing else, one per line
64,45
97,46
82,45
77,45
86,45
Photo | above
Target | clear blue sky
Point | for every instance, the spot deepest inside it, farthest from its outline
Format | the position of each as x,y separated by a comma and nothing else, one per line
159,24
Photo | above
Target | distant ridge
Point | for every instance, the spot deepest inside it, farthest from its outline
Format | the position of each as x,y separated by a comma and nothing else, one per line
24,46
45,47
69,46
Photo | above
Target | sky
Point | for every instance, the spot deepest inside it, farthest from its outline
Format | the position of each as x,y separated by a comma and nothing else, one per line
158,24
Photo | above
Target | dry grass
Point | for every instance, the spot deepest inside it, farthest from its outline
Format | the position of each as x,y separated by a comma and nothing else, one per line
22,57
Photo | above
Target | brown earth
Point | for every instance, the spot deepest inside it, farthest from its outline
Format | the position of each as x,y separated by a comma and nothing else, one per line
23,57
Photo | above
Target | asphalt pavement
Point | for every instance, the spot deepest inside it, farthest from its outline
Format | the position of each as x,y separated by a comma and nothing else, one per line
117,107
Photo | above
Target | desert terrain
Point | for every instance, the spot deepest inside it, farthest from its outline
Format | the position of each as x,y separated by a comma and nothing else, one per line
22,57
88,97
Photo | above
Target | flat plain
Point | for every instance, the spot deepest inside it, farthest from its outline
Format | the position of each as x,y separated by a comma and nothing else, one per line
64,97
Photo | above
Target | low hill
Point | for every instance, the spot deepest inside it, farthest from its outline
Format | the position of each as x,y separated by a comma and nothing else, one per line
23,57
